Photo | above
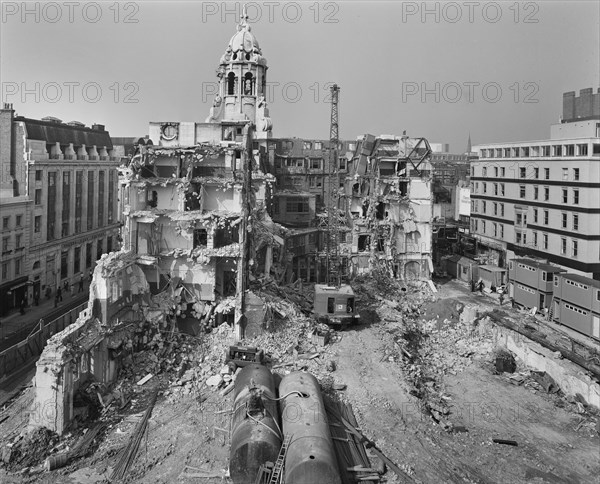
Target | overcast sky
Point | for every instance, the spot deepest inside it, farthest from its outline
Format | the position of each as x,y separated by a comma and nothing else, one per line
439,70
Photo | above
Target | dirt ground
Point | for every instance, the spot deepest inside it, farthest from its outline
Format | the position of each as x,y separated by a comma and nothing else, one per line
422,386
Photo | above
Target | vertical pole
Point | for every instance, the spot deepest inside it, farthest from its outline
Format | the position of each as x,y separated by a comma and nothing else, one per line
243,261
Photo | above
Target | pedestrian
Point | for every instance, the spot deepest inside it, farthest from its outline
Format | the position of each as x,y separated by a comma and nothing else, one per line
48,293
512,303
23,306
56,299
472,285
80,283
91,276
59,294
501,298
36,298
480,286
72,290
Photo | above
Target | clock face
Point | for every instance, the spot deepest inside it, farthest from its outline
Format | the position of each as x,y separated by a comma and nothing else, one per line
169,131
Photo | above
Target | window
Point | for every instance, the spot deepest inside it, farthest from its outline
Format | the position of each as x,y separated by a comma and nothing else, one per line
545,276
545,150
535,239
575,221
576,174
518,237
570,150
18,266
564,220
476,187
536,173
483,226
536,190
5,270
502,189
484,171
565,173
547,173
19,221
502,172
484,187
38,196
575,196
535,215
557,150
483,206
563,245
565,195
495,208
495,189
522,172
545,241
555,281
77,260
297,205
5,242
574,248
5,222
502,210
38,175
18,241
495,228
501,231
546,217
522,191
37,226
496,171
546,193
318,145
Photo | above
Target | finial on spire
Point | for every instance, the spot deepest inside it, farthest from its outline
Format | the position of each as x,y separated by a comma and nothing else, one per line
244,19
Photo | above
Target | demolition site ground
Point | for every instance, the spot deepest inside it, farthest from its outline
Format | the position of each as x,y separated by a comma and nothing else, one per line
422,381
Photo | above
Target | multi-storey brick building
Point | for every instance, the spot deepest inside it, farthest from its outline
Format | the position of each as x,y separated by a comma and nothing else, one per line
542,198
66,176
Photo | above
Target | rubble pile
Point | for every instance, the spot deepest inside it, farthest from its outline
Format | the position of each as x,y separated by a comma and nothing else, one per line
29,449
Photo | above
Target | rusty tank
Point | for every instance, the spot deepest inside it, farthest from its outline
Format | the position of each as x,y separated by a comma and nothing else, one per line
255,432
311,455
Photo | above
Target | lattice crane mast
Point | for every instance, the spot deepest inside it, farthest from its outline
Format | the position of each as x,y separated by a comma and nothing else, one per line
333,262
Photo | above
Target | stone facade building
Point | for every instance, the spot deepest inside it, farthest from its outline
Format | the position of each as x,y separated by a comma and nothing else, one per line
63,179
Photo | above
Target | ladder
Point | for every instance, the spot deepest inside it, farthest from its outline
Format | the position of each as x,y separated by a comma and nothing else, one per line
264,473
278,468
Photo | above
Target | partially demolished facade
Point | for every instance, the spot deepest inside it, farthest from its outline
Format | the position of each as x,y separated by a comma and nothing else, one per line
197,200
389,202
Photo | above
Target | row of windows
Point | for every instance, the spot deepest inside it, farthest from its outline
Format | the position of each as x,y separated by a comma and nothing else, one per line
6,221
546,198
497,208
526,267
18,267
579,149
576,284
6,243
498,189
577,310
534,173
526,289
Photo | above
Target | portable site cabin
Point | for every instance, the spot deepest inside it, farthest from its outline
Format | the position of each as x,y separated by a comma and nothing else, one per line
530,282
576,303
335,305
492,276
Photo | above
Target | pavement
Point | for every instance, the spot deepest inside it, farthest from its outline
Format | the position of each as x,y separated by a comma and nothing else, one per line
16,323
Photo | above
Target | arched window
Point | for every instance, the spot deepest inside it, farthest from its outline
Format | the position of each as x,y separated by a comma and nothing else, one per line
36,265
231,84
248,84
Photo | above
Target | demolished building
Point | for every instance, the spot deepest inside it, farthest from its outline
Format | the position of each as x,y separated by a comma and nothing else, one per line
389,204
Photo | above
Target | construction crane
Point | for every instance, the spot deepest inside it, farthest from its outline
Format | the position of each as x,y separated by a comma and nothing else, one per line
334,302
333,263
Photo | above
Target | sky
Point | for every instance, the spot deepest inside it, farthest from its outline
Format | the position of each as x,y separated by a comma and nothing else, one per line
441,70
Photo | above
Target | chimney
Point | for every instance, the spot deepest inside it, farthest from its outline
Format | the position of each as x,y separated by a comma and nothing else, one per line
583,104
568,106
98,127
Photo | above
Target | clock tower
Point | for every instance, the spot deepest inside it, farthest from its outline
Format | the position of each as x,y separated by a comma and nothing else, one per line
242,77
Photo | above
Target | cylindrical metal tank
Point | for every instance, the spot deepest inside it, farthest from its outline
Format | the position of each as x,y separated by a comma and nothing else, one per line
255,434
310,456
